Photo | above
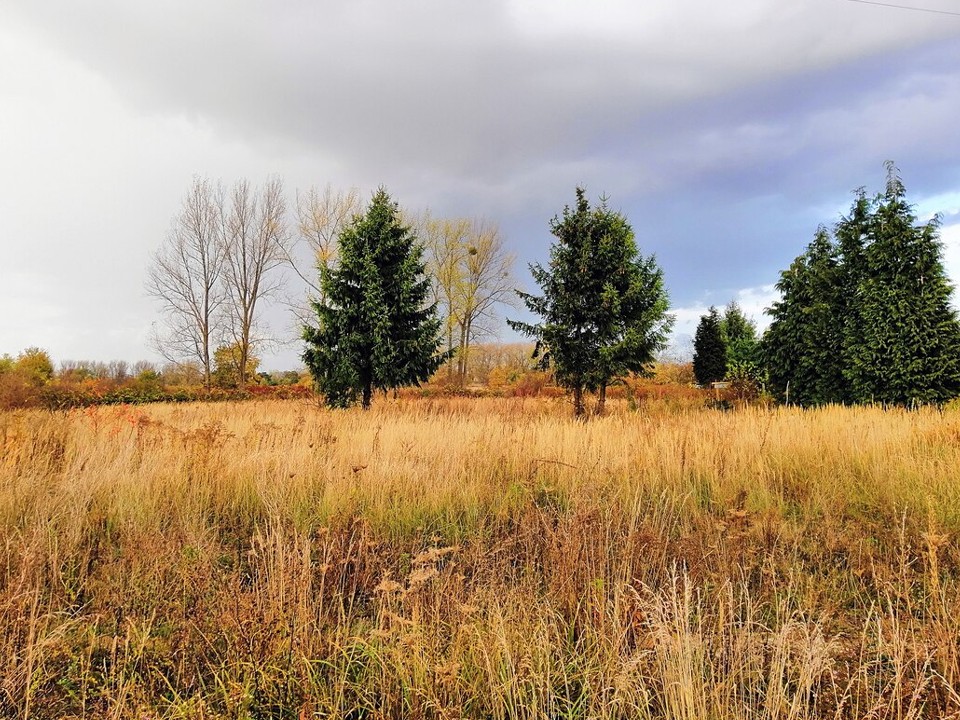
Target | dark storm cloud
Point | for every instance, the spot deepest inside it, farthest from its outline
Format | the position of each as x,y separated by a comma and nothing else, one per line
742,181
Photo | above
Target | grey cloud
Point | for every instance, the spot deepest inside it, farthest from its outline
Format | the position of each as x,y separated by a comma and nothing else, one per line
723,131
458,84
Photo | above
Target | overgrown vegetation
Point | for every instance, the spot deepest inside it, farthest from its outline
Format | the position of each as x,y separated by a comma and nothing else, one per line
479,559
30,381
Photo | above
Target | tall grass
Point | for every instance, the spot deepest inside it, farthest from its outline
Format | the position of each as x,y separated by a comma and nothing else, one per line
463,558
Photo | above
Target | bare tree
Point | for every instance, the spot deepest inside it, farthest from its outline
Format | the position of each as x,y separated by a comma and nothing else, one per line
321,215
144,366
255,243
472,274
182,373
118,370
445,243
185,276
486,282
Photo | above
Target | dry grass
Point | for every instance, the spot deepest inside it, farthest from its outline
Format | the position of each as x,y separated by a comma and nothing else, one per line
479,559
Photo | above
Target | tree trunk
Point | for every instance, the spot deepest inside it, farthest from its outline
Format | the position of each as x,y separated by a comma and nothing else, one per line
207,375
367,395
242,370
578,408
601,401
449,352
461,354
466,353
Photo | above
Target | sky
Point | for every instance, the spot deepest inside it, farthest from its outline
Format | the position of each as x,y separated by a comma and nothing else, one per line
726,132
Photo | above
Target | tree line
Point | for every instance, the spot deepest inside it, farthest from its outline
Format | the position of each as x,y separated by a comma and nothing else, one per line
219,264
602,307
393,296
864,316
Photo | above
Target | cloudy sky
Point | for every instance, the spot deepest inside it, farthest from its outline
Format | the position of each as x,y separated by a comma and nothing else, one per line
725,131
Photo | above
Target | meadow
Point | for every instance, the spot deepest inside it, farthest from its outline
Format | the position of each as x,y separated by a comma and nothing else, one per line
479,558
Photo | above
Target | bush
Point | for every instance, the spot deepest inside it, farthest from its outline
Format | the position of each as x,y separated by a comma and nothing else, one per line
530,384
16,391
670,373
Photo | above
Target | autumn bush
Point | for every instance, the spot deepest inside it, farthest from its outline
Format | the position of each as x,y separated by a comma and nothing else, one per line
478,558
17,392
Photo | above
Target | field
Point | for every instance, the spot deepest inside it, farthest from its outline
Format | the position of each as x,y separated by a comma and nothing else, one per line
464,558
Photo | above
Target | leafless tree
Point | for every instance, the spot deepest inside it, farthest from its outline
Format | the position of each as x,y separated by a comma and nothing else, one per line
144,366
118,370
255,243
472,274
445,244
321,215
486,282
182,373
186,274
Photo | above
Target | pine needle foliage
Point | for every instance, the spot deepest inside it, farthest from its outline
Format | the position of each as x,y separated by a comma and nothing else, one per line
804,346
604,306
865,315
376,329
909,340
709,349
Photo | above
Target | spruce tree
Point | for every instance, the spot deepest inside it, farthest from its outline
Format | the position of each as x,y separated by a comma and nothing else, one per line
709,349
376,329
867,317
802,348
604,307
906,349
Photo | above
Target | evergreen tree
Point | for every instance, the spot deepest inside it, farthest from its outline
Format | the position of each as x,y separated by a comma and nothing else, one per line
603,307
867,318
740,336
906,348
744,368
852,235
709,349
375,329
803,345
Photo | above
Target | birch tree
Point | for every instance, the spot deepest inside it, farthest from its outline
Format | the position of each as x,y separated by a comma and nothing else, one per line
321,216
255,243
186,275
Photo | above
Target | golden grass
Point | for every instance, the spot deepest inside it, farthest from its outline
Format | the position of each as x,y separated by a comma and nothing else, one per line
457,558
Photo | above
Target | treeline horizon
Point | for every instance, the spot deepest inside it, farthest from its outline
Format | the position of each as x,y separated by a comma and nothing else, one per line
231,251
864,316
39,363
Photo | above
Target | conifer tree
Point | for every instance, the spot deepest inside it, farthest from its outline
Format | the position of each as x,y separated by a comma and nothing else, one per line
739,335
803,345
906,348
852,234
709,349
604,307
376,330
867,317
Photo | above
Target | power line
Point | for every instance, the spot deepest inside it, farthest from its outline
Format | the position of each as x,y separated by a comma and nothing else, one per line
907,7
